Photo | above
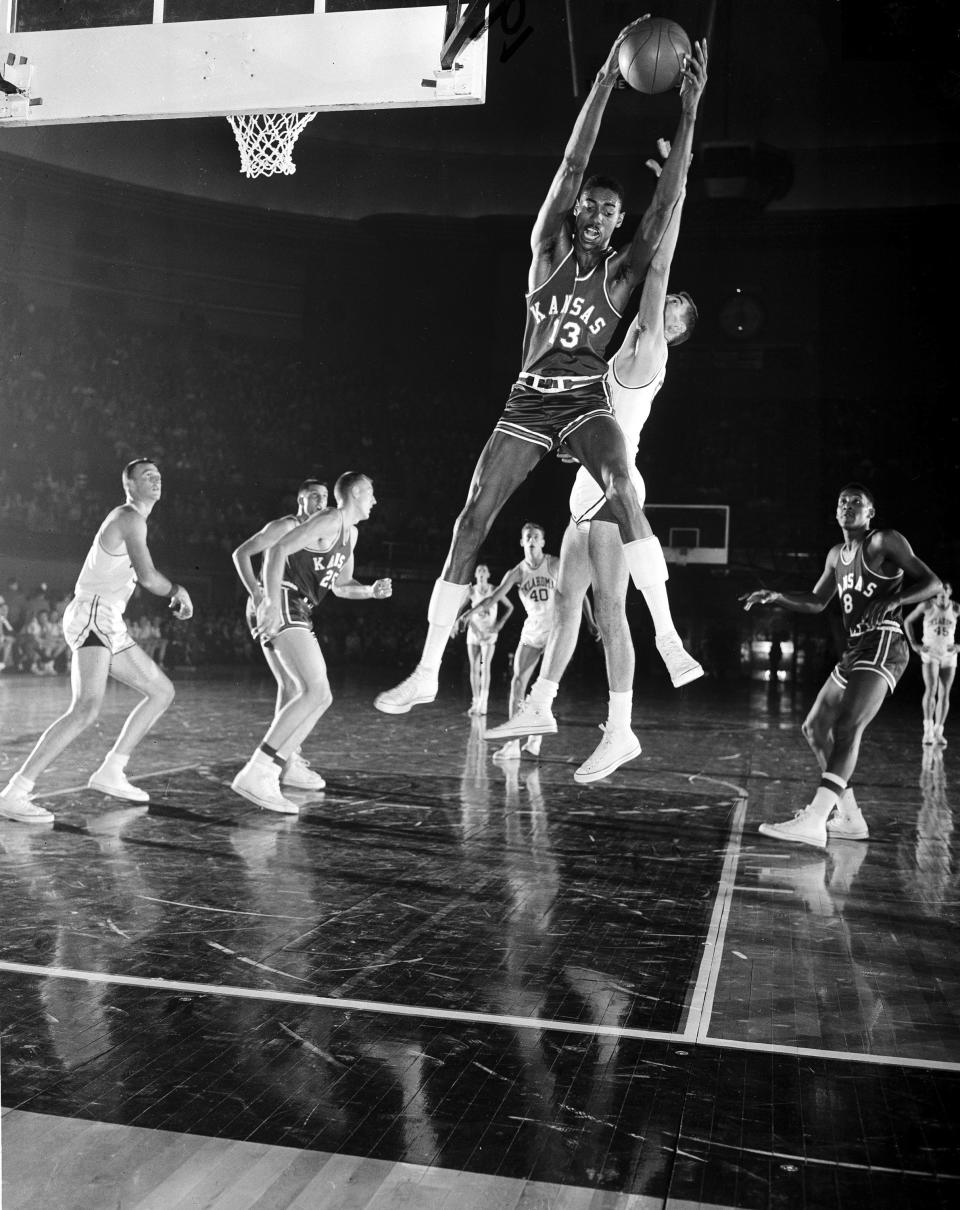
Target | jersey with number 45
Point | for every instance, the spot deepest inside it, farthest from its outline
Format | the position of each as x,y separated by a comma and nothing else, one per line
859,587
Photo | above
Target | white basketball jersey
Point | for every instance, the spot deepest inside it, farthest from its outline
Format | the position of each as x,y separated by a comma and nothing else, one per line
537,587
105,574
939,625
631,405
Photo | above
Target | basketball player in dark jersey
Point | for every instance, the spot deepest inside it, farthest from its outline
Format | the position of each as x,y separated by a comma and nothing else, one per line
311,498
578,287
866,570
299,569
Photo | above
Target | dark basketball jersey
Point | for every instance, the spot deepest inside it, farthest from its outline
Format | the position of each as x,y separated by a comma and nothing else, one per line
859,587
312,573
570,319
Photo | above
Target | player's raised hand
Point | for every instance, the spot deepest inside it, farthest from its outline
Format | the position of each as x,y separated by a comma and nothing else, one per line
610,72
693,77
663,150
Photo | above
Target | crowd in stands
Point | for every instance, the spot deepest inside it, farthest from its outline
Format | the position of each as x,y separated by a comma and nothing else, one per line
235,423
31,634
232,424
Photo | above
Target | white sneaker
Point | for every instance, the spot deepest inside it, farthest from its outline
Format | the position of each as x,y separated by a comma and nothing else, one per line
260,784
615,749
532,718
419,687
112,780
17,804
533,745
938,736
509,751
299,776
681,665
804,828
847,823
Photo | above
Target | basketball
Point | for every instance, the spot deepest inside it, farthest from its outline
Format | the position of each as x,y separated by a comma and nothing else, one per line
651,56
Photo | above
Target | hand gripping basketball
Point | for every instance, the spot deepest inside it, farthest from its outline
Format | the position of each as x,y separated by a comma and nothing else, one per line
610,72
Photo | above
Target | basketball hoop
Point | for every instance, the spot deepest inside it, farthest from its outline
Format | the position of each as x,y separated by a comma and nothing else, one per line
266,141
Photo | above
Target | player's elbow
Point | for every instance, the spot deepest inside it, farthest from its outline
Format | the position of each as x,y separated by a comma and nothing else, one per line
574,165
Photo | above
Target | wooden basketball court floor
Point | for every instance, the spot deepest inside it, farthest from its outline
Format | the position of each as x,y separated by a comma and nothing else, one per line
454,983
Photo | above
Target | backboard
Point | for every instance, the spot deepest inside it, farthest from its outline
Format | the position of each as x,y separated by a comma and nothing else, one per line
127,60
691,533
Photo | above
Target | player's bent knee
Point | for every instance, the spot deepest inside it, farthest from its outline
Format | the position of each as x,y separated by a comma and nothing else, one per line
85,711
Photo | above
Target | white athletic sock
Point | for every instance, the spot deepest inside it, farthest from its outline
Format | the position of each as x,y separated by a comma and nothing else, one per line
544,691
620,710
446,601
646,562
115,759
658,604
19,782
828,794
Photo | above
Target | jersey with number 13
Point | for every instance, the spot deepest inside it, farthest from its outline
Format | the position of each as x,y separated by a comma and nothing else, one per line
570,320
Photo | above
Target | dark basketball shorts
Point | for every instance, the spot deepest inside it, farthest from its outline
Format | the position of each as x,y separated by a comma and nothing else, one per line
883,651
296,613
547,418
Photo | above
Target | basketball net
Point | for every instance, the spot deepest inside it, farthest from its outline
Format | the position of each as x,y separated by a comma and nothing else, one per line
266,141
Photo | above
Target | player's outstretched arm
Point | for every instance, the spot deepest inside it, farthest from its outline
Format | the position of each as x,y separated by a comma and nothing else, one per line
672,178
644,346
814,601
549,226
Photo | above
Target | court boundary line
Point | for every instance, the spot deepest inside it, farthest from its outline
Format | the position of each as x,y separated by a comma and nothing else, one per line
383,1008
705,986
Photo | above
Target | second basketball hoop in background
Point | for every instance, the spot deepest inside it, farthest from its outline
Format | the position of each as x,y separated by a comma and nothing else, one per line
651,56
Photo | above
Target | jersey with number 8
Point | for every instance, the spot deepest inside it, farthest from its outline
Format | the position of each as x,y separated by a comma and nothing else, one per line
860,587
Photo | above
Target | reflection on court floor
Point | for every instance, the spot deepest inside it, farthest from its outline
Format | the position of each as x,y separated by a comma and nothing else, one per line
452,978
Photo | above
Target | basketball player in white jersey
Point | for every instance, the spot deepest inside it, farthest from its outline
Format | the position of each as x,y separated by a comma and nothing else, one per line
96,633
592,551
299,569
311,498
866,571
938,656
535,579
483,626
